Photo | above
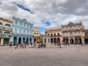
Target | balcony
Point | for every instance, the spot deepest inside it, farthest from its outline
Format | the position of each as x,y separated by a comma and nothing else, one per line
6,36
7,29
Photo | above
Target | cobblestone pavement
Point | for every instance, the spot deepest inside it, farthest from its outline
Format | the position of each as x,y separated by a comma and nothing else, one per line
73,55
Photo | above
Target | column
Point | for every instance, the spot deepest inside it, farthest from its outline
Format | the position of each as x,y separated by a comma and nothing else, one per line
25,39
17,39
83,41
12,39
69,40
74,40
49,40
61,39
43,40
2,41
32,40
21,39
28,40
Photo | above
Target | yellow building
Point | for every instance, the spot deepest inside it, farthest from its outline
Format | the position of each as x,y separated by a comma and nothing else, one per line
5,31
37,36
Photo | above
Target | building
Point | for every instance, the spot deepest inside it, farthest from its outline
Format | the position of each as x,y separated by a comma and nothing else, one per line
52,35
37,36
86,36
73,33
5,31
22,31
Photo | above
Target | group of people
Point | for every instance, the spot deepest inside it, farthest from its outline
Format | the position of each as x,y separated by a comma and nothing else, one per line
24,45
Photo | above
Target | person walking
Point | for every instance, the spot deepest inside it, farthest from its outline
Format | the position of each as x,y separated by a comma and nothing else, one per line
10,44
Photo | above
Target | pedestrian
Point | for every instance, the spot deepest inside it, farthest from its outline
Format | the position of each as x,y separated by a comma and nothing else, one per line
10,44
20,45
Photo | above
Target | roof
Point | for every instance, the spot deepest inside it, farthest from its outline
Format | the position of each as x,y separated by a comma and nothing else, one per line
53,28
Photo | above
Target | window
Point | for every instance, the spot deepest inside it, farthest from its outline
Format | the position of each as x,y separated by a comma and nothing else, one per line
27,32
51,34
20,24
20,31
15,22
58,34
24,31
48,34
16,30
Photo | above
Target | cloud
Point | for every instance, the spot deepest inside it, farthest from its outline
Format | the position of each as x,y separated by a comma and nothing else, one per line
55,11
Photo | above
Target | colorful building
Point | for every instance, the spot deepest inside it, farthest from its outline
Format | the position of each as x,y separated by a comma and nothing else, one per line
5,31
22,31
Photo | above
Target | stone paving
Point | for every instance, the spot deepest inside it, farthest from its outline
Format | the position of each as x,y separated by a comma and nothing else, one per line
73,55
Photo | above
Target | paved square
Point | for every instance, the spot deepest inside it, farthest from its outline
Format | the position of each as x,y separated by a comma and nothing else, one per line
73,55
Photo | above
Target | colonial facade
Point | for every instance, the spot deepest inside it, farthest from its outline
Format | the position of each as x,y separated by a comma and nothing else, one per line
73,33
22,31
52,35
86,36
5,31
37,35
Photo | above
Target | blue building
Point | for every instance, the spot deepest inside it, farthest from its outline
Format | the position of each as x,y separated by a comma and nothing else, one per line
22,31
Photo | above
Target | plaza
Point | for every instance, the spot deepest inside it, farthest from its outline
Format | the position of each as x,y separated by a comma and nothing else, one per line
73,55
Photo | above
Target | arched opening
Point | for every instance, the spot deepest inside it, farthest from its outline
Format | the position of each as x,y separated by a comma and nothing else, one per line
27,40
51,40
55,40
86,41
19,41
44,40
34,40
6,41
80,41
76,41
23,40
58,40
66,40
30,40
15,40
71,41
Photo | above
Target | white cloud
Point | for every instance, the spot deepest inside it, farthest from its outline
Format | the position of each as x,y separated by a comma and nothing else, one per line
57,12
79,10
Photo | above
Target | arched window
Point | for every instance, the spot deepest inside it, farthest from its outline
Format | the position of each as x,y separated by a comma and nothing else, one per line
54,34
0,24
7,26
51,34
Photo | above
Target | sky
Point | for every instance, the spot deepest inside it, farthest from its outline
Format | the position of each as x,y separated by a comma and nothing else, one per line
46,13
